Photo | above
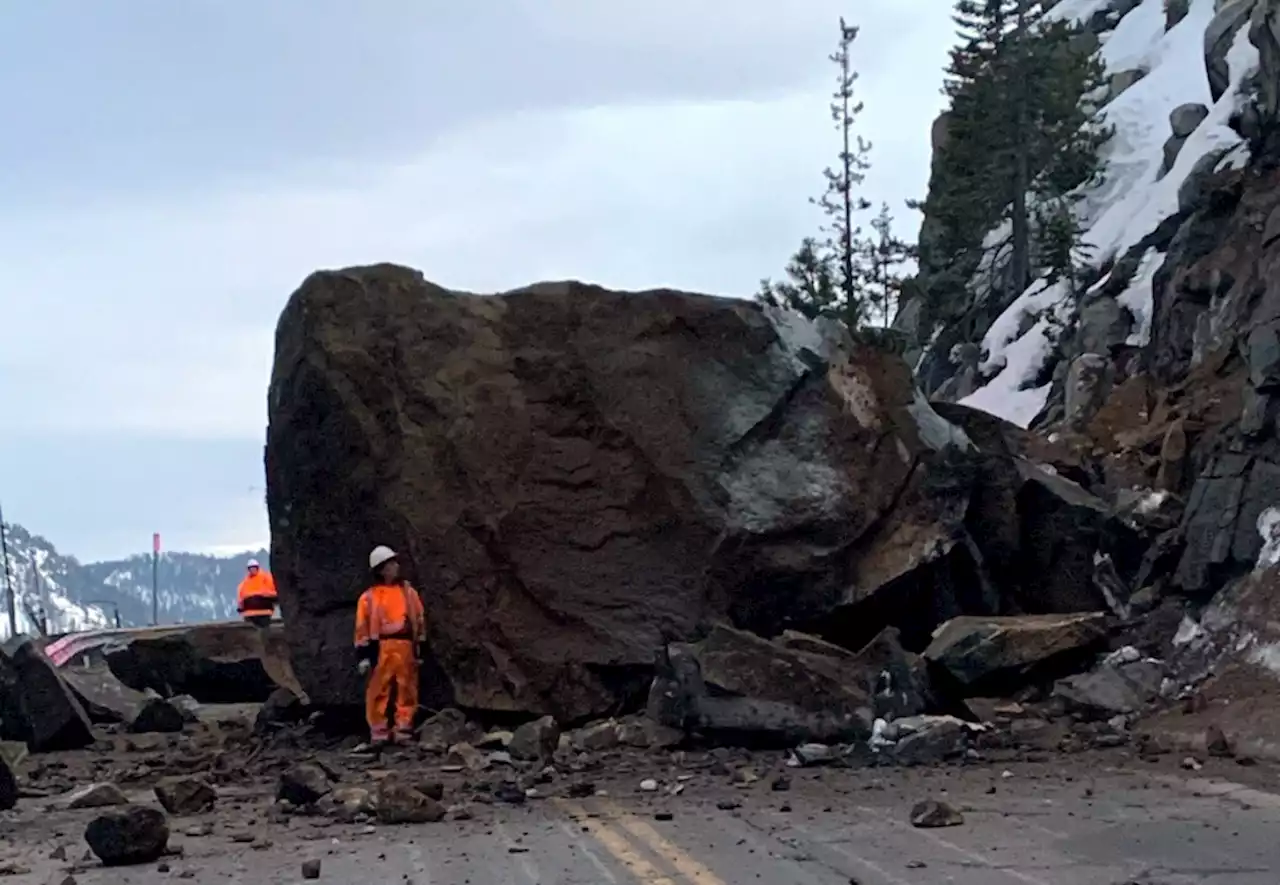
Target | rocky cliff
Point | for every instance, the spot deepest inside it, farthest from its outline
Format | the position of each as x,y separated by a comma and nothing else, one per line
1163,374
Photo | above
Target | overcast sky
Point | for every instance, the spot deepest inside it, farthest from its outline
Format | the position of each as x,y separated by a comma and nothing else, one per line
170,171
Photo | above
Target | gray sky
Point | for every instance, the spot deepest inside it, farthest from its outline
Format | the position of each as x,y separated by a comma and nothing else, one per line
172,171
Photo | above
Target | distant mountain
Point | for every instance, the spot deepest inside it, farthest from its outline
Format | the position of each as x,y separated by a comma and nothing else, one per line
76,596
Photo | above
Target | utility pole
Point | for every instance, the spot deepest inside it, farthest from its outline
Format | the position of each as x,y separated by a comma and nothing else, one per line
155,579
8,580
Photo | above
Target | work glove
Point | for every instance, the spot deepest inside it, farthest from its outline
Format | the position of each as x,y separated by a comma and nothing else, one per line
363,667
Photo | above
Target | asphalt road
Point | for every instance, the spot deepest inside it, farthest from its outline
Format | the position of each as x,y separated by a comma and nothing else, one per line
1070,828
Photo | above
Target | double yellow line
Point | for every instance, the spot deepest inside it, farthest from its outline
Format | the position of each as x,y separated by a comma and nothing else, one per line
632,833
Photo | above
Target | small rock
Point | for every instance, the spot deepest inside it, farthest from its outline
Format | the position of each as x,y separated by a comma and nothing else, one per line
495,740
663,815
535,740
1217,744
304,784
59,853
158,716
162,867
780,784
466,756
581,790
932,814
509,793
432,789
649,785
728,804
1191,764
186,795
401,804
744,777
97,796
446,728
136,834
311,869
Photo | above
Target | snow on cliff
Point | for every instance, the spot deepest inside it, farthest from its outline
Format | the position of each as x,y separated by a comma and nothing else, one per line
1132,199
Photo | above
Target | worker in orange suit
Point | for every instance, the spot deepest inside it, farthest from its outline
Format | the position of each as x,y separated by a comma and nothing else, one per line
391,627
256,600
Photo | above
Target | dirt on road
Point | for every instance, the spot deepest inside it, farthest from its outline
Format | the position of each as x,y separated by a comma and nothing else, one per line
703,818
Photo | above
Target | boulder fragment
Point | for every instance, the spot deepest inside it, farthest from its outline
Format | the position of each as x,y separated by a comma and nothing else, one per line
134,835
933,814
750,690
998,655
186,795
303,784
52,717
535,740
158,715
1121,684
97,796
281,708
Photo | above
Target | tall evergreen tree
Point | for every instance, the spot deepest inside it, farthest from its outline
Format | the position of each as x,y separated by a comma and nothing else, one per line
1021,137
825,277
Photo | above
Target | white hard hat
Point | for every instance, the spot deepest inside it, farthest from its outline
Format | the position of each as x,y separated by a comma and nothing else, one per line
380,555
253,563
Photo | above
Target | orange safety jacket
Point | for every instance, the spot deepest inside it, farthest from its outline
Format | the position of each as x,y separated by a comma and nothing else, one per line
257,596
389,611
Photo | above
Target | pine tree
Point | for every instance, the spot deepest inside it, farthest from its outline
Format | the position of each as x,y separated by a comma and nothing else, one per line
810,287
1021,137
884,257
825,277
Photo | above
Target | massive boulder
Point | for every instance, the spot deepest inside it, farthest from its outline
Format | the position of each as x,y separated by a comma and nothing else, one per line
575,477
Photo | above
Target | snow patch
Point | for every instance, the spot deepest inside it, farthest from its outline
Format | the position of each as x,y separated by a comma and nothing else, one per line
1269,529
1139,297
1020,355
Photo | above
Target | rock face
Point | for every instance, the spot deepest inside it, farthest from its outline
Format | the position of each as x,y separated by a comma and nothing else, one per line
575,476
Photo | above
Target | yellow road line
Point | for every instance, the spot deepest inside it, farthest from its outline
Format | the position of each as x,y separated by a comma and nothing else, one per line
617,845
686,865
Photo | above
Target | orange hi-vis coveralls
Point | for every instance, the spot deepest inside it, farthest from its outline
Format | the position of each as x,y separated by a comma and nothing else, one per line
257,596
390,625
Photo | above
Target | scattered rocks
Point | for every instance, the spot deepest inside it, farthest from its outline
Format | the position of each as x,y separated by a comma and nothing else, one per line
137,834
446,729
399,803
100,795
932,814
186,795
304,784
